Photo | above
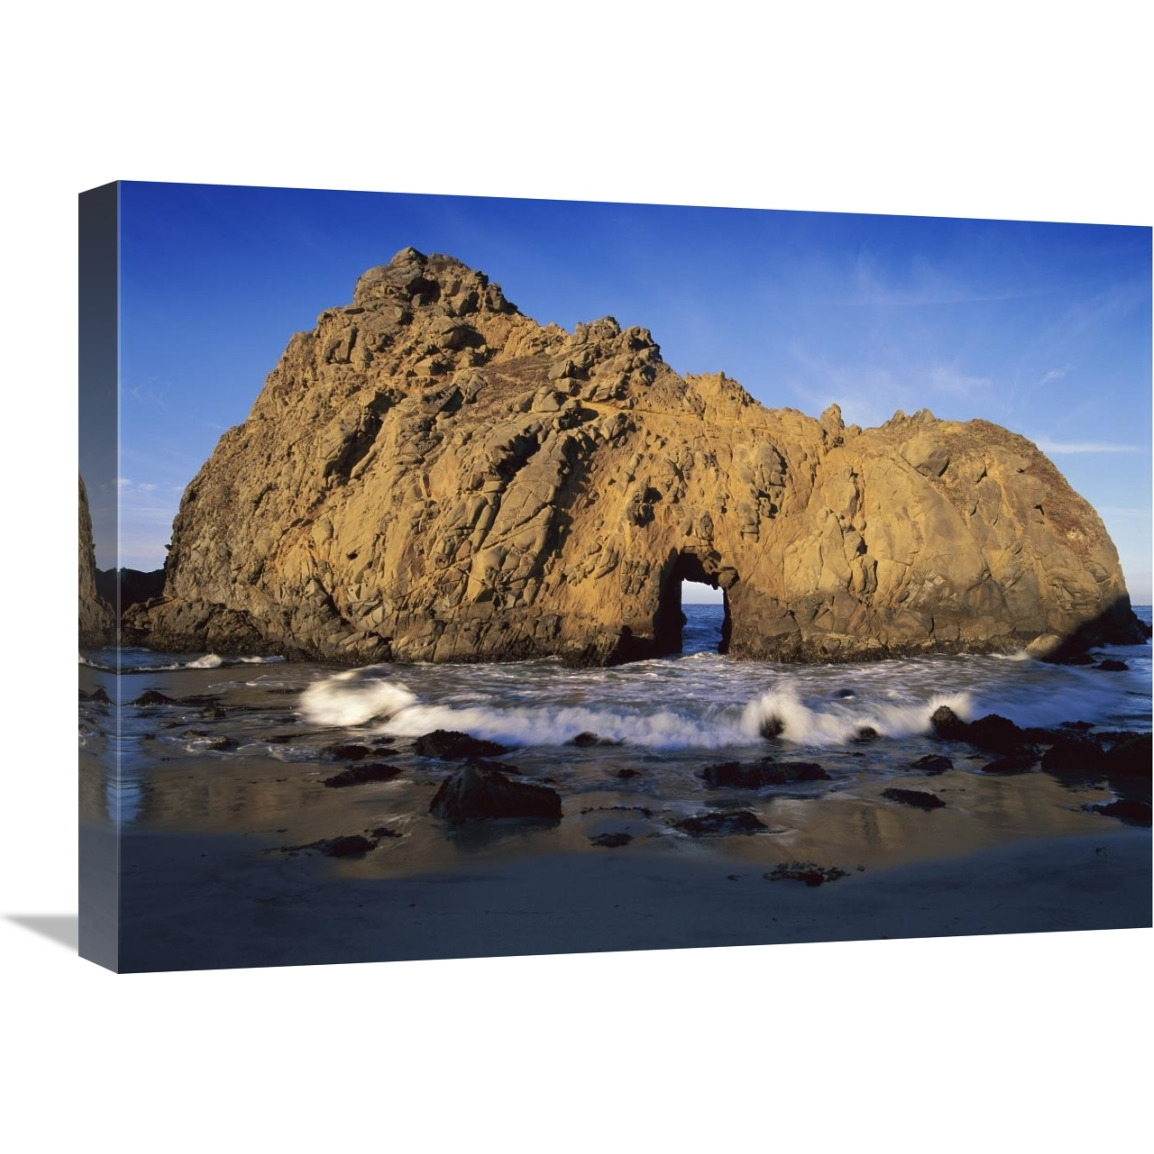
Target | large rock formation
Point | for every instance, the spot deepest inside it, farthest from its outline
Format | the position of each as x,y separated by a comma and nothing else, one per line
96,616
429,475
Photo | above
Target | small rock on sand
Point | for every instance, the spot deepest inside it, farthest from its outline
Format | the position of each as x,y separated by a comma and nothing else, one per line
915,797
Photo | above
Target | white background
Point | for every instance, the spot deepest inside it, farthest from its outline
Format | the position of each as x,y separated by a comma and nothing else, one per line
977,110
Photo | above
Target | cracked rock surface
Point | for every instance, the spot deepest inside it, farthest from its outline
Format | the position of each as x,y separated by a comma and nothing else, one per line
429,475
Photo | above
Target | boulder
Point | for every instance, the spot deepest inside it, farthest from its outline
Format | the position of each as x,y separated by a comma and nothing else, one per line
721,823
477,794
429,475
612,840
449,745
739,775
152,697
918,798
360,774
1129,810
932,763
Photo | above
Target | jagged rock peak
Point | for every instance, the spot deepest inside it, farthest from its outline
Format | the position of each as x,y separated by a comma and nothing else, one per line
431,475
412,279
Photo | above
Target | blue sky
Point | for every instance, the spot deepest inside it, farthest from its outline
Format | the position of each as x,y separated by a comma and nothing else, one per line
1043,328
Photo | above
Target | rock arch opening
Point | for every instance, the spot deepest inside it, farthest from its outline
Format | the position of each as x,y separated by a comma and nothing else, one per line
691,584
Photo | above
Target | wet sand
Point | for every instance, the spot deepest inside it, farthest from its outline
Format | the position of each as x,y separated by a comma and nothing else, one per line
210,877
196,901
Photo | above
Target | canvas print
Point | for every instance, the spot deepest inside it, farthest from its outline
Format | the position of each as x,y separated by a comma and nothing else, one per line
472,577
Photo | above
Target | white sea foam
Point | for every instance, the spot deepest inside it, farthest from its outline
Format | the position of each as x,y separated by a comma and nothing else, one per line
353,698
557,725
205,661
839,721
360,696
708,702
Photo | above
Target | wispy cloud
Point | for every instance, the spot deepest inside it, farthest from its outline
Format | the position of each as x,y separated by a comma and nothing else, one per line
1050,447
1055,374
951,380
922,283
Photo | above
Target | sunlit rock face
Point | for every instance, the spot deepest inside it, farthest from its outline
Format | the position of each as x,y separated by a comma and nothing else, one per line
96,617
429,475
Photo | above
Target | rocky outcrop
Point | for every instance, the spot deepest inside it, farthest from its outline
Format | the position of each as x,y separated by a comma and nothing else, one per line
96,616
429,475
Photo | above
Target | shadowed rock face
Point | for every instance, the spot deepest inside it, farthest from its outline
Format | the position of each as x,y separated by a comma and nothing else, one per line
429,475
96,616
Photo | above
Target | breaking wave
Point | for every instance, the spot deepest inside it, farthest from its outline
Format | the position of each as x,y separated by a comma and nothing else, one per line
783,714
353,698
359,697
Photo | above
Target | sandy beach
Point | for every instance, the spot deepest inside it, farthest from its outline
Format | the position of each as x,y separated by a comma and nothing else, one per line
193,902
217,879
231,816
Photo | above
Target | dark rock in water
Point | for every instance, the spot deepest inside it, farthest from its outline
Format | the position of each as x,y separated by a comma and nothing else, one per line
593,739
1130,756
612,840
994,733
1018,759
866,733
383,831
720,824
1130,810
792,772
359,774
223,744
812,875
1112,666
97,697
499,766
842,694
349,751
736,775
449,745
1074,754
772,727
733,775
914,797
152,697
948,725
625,774
932,763
475,794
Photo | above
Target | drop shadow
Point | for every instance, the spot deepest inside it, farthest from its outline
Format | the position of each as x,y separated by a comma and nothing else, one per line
62,928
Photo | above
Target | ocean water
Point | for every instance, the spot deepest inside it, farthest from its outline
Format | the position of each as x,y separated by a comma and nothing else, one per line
657,723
